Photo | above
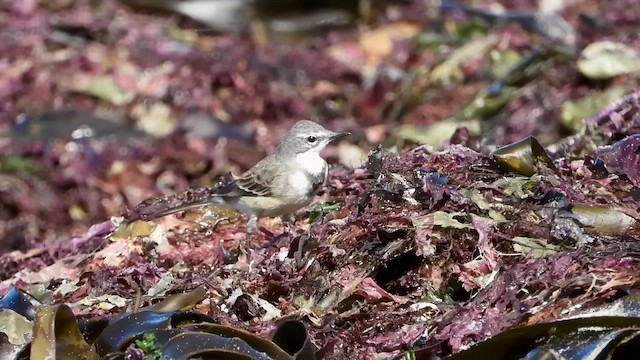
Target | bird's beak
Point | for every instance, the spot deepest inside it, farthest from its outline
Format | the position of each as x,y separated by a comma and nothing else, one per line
339,135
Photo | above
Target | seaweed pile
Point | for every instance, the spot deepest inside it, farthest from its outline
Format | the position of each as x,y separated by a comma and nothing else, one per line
491,182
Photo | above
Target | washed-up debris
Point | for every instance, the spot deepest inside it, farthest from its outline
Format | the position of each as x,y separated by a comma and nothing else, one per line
523,156
157,331
479,195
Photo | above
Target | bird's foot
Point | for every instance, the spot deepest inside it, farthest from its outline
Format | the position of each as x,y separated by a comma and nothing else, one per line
288,220
274,238
287,223
252,226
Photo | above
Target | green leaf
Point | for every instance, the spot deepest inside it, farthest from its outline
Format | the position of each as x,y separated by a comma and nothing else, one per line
101,87
16,164
503,62
469,117
321,210
575,112
442,219
606,59
67,287
466,29
536,248
150,346
104,302
448,220
160,288
448,72
16,327
409,355
484,106
496,216
520,186
477,198
436,134
432,40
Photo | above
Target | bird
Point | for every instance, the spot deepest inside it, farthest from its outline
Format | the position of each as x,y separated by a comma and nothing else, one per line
279,184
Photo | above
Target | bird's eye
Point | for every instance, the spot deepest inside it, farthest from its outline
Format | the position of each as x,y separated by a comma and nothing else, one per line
311,139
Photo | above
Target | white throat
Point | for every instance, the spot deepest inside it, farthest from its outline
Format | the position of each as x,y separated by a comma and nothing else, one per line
312,162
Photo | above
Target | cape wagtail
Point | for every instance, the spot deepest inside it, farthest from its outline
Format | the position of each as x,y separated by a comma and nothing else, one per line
278,185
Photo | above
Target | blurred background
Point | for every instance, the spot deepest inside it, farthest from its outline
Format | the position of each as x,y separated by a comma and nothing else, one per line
106,103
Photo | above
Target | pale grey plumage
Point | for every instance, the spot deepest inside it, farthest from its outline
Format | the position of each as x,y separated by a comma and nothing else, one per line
281,183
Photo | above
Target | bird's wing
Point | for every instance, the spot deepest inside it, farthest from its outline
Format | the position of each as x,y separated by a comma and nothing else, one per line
254,182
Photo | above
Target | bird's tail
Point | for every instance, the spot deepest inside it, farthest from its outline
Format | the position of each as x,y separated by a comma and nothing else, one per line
154,208
172,210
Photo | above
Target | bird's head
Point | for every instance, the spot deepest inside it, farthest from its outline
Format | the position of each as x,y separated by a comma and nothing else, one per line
306,136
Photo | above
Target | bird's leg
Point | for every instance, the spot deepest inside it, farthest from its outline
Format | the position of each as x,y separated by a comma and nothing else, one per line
252,226
288,221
